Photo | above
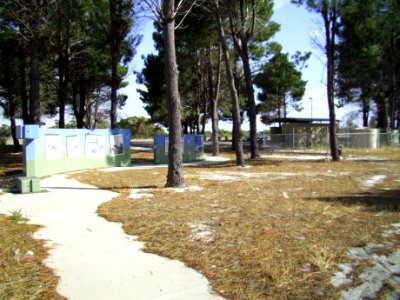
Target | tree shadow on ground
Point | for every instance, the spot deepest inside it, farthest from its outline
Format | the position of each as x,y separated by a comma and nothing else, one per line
106,188
222,164
232,163
142,160
386,200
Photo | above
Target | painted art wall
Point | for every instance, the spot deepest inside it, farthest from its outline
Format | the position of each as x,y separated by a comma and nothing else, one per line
50,151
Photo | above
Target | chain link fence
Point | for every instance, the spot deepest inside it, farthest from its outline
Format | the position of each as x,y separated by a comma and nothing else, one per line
320,141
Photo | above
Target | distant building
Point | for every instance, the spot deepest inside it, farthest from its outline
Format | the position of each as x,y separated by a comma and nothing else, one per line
298,133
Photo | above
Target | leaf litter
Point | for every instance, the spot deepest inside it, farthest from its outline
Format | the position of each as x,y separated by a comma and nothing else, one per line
251,245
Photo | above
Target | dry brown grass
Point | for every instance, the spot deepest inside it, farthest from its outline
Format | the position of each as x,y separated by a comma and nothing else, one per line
142,157
23,276
252,234
11,163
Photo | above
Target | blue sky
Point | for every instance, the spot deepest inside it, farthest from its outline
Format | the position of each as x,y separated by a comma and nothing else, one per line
297,27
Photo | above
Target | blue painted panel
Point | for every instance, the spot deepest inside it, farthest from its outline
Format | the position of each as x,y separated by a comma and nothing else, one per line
159,140
188,140
31,132
19,132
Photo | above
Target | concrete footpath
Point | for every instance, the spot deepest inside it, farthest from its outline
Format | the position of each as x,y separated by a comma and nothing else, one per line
94,258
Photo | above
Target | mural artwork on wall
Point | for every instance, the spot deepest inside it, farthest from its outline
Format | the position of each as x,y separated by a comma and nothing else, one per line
116,144
94,146
53,146
73,146
166,145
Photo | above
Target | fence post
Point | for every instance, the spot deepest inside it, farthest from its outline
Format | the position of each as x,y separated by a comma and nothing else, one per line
328,142
378,142
293,138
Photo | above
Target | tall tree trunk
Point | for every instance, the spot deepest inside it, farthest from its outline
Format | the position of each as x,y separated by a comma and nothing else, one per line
22,90
398,115
392,78
175,156
234,136
392,106
11,109
96,114
35,24
236,79
61,73
34,107
115,54
382,113
204,118
62,95
365,111
16,145
88,115
198,121
251,102
214,95
232,88
393,98
114,99
284,106
13,125
196,85
75,89
330,33
63,61
242,48
79,108
205,106
185,128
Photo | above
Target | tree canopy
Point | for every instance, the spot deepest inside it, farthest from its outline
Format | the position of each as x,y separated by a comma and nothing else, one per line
65,57
281,87
65,54
369,62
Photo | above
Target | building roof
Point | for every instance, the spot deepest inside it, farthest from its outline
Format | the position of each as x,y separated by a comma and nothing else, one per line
300,120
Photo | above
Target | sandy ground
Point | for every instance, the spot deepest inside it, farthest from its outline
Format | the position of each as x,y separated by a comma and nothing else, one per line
94,258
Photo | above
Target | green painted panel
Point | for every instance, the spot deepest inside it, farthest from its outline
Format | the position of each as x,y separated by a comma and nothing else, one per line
189,155
43,167
28,184
159,155
35,185
24,185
